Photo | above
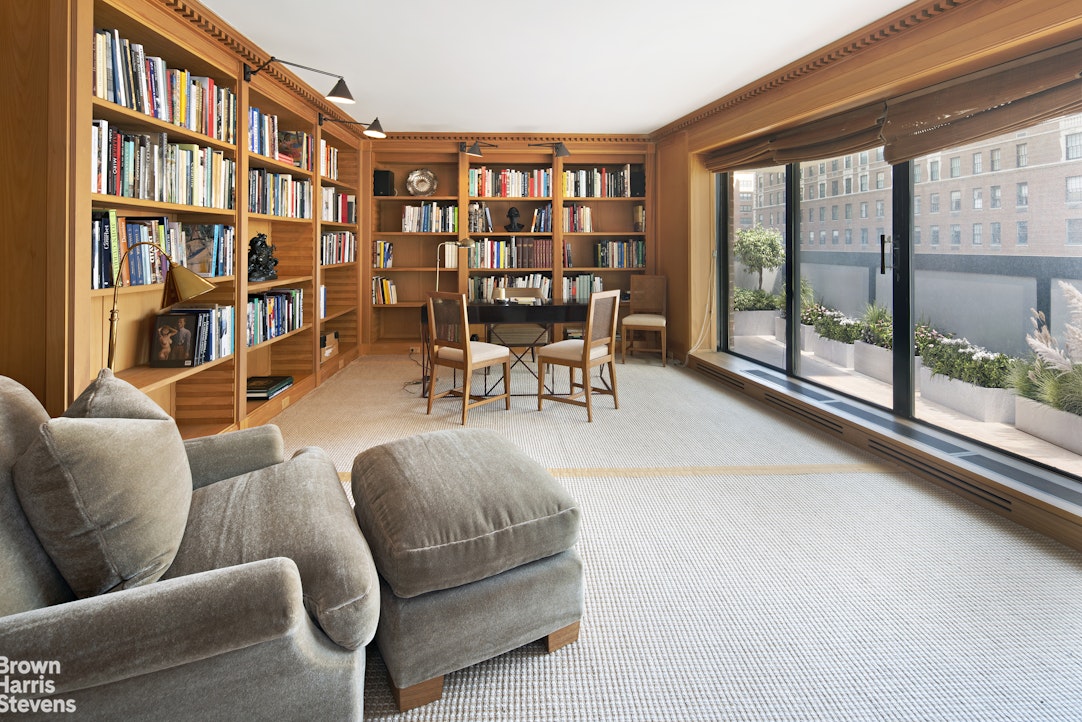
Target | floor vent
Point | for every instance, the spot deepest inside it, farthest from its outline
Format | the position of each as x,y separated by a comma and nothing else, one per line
730,380
959,484
808,414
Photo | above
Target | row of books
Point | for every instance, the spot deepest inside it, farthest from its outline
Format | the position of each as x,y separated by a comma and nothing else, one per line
578,218
481,287
192,335
279,194
512,252
274,313
430,218
579,287
383,291
479,218
383,254
124,74
604,183
337,247
328,160
510,183
630,253
338,207
148,167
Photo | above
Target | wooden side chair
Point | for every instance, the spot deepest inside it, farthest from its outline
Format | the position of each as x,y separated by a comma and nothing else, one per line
449,336
597,347
646,314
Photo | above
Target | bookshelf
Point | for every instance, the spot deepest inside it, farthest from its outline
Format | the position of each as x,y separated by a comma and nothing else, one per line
169,147
544,252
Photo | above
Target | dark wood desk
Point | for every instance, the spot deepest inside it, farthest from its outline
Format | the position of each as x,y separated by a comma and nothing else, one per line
538,311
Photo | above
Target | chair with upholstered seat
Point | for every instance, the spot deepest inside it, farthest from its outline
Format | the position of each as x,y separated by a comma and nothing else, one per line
596,348
449,337
646,315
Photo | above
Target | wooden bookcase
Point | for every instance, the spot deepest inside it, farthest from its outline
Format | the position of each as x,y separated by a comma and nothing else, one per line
69,343
419,256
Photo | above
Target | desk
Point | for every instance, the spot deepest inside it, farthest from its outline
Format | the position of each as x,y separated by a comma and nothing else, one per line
541,312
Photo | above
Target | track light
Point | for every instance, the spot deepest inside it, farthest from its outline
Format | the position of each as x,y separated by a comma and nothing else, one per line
559,149
339,93
372,130
475,149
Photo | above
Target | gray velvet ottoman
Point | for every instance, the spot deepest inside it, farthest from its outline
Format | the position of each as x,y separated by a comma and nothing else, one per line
473,541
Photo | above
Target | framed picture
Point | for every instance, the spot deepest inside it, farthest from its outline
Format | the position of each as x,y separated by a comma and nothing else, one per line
172,343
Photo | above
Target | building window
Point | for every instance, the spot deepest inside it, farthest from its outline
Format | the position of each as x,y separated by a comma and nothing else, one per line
834,213
1022,199
1074,188
822,189
1074,231
978,234
848,186
822,213
995,197
822,238
1074,146
978,198
1021,154
916,205
997,238
833,187
864,209
848,211
863,236
1023,233
956,235
994,156
916,235
863,182
933,170
863,157
956,167
916,172
880,209
834,237
811,215
934,233
956,200
978,164
880,180
933,203
848,236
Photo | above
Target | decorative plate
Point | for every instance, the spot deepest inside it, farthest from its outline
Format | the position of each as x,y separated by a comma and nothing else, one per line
421,182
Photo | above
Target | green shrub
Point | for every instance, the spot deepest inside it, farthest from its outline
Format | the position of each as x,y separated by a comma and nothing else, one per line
957,358
811,312
878,328
747,299
837,326
1054,375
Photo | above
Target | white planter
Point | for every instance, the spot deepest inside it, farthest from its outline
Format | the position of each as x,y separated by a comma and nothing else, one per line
976,401
874,361
807,337
1054,426
754,323
835,352
779,329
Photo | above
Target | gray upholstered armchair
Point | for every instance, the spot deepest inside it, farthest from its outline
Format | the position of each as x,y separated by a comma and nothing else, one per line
143,575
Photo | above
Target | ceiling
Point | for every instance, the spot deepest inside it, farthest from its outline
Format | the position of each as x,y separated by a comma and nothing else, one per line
558,66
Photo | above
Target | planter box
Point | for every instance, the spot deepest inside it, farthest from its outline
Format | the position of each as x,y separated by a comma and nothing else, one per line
874,361
779,329
836,352
1054,426
807,338
754,323
976,401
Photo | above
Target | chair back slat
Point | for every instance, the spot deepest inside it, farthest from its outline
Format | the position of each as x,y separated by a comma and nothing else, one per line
648,294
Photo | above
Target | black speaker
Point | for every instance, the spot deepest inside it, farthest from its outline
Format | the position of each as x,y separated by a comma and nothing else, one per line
382,183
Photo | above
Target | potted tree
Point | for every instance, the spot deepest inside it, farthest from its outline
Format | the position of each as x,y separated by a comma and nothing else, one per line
758,249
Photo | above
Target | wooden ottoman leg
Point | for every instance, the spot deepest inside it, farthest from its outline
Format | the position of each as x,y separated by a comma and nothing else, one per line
419,694
562,637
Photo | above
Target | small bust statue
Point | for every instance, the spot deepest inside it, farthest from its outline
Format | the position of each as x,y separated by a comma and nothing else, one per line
512,216
261,260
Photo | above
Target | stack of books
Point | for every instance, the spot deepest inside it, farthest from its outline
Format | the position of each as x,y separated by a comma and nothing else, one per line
267,387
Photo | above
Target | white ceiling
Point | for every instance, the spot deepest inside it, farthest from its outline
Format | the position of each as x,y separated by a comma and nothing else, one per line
557,66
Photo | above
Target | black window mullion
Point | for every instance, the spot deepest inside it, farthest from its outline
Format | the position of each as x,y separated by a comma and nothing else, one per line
902,261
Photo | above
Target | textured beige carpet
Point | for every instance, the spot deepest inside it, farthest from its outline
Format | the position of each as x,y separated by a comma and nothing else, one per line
742,567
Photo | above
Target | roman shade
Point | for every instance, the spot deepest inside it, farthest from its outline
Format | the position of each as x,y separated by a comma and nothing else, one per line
998,100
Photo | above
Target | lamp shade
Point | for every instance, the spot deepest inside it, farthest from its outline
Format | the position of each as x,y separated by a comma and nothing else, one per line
474,150
340,93
375,130
182,284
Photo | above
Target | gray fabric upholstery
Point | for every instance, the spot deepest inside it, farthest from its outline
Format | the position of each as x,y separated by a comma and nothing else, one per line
448,508
213,458
297,509
107,498
108,397
433,634
30,579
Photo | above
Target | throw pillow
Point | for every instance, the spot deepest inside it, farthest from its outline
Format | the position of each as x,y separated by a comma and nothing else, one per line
108,397
107,498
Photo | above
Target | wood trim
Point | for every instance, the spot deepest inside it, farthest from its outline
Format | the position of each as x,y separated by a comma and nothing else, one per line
923,44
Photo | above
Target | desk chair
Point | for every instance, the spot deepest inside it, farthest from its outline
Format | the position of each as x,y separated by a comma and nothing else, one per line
449,334
647,314
596,348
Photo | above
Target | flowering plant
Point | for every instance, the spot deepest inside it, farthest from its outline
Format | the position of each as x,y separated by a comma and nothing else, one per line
958,359
837,326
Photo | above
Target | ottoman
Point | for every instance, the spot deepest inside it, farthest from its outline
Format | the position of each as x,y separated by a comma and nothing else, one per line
473,542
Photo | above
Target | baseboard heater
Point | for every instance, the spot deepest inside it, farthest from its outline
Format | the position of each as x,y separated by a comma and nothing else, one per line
1030,498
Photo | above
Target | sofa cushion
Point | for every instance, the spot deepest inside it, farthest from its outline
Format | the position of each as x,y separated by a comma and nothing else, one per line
296,509
447,508
107,498
108,397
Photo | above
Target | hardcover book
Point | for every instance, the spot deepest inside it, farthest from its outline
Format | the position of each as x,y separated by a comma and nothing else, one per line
266,387
173,341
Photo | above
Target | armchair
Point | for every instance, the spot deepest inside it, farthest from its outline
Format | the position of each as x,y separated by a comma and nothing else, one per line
201,579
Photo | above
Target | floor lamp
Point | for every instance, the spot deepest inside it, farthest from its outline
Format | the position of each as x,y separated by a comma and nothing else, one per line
181,284
460,243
